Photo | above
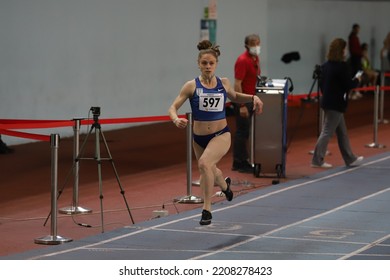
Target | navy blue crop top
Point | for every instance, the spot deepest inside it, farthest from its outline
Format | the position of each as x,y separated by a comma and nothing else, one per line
208,104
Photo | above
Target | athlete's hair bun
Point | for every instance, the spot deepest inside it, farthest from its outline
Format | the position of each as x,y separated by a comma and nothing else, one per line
207,45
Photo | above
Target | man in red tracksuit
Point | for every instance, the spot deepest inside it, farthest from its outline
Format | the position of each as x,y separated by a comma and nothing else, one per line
246,70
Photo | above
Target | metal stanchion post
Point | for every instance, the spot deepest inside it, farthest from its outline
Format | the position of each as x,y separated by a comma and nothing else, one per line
382,100
376,104
189,198
75,208
53,238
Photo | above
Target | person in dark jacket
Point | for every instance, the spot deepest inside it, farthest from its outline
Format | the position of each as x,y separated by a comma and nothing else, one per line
335,83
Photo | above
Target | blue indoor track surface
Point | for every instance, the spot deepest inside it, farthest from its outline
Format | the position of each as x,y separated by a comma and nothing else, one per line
341,213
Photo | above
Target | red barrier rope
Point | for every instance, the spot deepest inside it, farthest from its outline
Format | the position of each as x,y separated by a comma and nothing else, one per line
19,134
131,120
371,88
6,125
295,99
31,124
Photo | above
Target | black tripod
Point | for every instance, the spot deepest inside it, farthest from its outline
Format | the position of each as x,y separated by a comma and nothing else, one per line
309,99
98,133
316,77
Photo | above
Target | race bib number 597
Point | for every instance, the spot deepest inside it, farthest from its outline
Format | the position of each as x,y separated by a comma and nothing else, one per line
211,102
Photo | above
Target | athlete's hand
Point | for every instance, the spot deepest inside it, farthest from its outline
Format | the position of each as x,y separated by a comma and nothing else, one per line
257,105
181,122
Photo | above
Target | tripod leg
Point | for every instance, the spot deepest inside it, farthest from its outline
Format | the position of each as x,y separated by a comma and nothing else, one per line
99,162
117,176
312,87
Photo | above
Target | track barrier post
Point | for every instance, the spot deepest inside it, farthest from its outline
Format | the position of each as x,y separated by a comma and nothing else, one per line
376,105
189,198
53,238
382,100
75,208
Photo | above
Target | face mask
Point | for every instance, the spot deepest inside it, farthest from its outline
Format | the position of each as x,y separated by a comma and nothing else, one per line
255,50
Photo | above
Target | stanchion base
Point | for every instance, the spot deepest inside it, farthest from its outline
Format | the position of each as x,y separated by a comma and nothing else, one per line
52,240
189,199
74,210
375,145
383,121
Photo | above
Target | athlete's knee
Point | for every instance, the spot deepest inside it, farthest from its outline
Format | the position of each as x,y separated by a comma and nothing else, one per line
204,166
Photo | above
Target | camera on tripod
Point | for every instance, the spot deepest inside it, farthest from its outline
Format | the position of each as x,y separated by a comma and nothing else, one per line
317,72
95,111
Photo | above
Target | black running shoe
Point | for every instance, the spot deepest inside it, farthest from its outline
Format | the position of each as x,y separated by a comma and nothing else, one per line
206,218
228,192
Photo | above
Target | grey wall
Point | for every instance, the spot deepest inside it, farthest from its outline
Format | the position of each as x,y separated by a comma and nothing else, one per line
130,57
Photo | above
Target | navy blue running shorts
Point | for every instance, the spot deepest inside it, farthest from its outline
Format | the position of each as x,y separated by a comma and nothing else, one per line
203,140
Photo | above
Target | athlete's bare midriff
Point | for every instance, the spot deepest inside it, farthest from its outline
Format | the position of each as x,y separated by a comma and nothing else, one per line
209,127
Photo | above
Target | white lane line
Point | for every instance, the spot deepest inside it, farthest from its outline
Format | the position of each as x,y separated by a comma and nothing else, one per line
291,225
368,246
217,210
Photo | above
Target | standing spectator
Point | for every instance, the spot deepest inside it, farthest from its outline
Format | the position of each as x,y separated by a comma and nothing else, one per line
355,49
246,71
355,55
370,76
335,84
